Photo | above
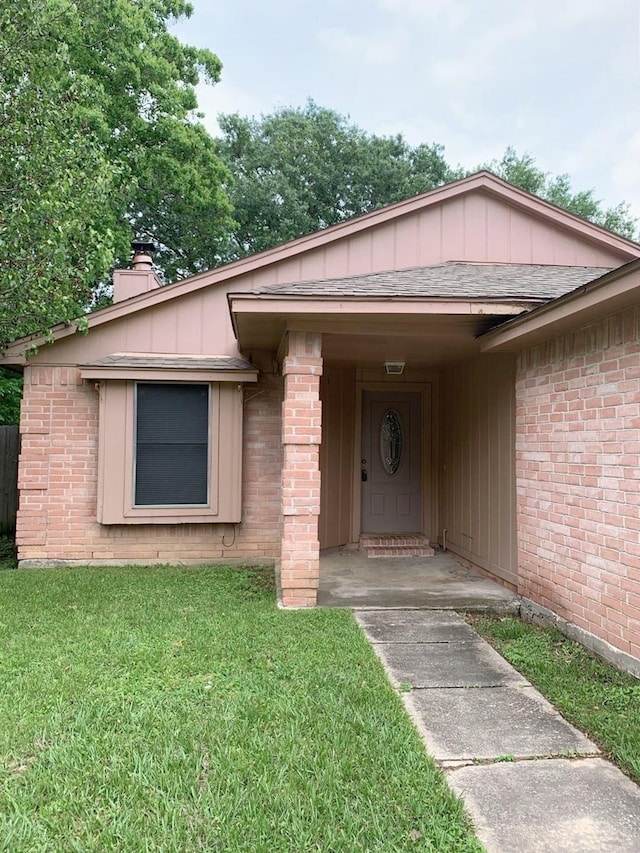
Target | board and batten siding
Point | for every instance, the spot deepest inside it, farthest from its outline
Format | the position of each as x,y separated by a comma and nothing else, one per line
337,392
477,228
477,463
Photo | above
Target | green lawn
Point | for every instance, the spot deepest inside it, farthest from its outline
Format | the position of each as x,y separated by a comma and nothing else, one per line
177,709
595,697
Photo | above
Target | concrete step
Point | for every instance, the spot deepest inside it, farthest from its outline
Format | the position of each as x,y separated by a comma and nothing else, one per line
395,545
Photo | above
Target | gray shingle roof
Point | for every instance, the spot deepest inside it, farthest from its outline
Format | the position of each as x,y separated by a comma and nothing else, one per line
452,280
139,360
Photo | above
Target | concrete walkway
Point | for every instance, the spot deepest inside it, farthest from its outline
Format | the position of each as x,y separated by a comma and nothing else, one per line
531,782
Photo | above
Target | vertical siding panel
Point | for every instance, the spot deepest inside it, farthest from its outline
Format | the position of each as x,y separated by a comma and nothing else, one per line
498,232
347,450
462,477
482,497
407,240
382,248
336,455
189,324
430,250
164,327
475,227
477,488
444,457
495,458
360,252
137,333
473,455
520,238
336,261
453,231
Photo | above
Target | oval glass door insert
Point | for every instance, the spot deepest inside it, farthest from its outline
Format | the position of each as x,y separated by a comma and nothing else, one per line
391,441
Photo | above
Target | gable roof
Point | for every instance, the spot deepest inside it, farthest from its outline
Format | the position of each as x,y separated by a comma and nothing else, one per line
483,182
450,280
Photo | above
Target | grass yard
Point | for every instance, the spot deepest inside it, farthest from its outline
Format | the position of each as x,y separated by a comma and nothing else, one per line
177,709
595,697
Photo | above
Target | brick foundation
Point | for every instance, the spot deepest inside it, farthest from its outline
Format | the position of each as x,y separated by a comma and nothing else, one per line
578,478
59,473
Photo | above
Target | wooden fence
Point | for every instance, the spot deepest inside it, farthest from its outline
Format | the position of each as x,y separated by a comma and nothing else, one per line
9,449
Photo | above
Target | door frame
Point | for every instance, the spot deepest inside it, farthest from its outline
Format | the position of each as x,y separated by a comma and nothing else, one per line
428,485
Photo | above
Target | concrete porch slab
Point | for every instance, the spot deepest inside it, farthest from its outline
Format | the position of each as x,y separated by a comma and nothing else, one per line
469,664
459,724
349,579
558,805
415,626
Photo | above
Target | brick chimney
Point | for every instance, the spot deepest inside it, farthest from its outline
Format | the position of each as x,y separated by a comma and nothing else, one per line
140,278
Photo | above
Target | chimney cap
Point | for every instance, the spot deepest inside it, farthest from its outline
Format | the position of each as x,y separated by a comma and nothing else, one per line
143,247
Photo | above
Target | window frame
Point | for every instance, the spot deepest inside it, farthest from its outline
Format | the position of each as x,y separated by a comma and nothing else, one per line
116,455
213,393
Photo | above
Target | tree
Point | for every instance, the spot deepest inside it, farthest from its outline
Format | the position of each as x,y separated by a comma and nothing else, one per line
301,169
10,397
522,171
98,142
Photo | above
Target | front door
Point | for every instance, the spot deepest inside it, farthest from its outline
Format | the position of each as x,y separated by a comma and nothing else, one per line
391,466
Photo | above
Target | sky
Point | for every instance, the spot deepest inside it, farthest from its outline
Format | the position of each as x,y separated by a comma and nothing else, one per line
557,79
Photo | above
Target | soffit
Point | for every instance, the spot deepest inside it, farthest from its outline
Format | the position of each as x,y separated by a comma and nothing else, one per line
432,339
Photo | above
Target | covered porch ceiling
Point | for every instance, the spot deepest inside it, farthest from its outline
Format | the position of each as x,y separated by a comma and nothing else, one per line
367,332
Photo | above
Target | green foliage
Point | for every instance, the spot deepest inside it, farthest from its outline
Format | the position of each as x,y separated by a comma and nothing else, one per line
522,171
301,169
597,698
10,397
178,709
98,140
55,181
7,553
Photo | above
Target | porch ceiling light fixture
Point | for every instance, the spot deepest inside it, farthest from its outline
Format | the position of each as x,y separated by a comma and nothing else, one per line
394,368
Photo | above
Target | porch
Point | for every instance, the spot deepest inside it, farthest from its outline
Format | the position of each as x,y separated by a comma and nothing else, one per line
425,448
349,579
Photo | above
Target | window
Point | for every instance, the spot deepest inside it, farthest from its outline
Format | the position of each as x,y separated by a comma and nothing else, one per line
170,451
172,445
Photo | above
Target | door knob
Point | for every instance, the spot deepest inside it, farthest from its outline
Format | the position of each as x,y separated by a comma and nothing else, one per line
364,475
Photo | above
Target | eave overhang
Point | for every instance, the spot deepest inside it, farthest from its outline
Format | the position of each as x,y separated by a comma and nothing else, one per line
614,292
260,320
168,367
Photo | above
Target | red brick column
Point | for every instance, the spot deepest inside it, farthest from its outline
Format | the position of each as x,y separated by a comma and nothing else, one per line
301,435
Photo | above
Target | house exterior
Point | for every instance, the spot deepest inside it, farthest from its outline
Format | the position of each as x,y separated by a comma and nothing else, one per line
463,365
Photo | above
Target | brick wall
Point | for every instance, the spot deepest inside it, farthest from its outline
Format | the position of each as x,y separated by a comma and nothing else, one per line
578,478
58,482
